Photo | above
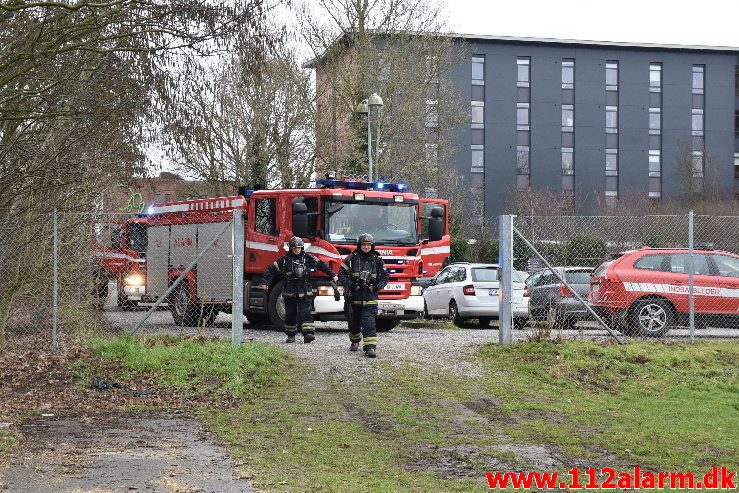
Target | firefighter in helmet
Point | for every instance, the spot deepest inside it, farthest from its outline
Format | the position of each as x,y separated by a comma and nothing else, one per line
363,274
295,267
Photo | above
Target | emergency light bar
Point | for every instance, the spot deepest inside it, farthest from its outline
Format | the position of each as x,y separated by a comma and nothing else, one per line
363,185
221,203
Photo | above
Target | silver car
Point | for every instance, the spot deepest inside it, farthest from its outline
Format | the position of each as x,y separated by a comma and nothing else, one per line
552,301
464,291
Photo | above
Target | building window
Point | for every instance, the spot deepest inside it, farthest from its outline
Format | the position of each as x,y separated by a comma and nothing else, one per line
697,125
478,158
611,76
477,112
568,73
655,77
699,79
736,123
432,155
523,159
698,164
478,70
655,121
611,119
432,117
611,162
568,161
522,116
655,166
524,71
568,118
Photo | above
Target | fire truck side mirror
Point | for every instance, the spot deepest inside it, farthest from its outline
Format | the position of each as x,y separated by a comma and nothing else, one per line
300,219
436,224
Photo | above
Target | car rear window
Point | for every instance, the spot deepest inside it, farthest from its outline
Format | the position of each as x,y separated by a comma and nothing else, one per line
485,274
650,262
727,266
578,277
601,270
519,276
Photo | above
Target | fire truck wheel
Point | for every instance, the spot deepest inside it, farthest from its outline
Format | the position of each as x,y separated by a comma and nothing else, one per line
386,324
276,307
258,319
188,314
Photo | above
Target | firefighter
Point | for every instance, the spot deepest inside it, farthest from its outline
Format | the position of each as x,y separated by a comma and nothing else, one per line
363,274
295,267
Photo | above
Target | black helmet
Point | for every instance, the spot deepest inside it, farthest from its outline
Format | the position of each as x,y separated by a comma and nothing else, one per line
296,242
365,238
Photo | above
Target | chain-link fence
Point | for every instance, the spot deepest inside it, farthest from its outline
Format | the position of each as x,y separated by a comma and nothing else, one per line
648,277
67,276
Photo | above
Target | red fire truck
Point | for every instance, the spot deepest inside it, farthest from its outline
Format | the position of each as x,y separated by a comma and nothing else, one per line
329,218
120,249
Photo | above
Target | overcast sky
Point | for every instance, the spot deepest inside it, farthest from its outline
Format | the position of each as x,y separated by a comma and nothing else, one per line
697,22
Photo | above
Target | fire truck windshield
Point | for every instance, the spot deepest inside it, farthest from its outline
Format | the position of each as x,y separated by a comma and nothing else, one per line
389,223
137,239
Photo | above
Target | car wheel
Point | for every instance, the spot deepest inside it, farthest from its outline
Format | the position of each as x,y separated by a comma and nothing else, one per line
386,324
554,318
651,317
454,316
426,315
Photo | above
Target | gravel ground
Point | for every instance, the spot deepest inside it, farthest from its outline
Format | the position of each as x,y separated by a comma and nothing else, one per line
426,342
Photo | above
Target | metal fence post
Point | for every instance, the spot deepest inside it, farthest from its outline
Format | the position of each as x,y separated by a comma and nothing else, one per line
237,306
55,288
505,267
691,268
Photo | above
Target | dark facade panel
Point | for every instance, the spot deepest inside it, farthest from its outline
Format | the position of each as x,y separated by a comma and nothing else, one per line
634,97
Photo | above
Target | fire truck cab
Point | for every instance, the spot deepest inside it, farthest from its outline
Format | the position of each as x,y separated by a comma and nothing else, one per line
121,249
329,218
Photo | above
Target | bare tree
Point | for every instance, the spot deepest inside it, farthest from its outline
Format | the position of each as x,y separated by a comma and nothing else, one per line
79,83
234,125
392,48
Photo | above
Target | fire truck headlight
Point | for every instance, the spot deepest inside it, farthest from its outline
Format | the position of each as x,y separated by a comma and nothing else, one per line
416,290
328,290
134,280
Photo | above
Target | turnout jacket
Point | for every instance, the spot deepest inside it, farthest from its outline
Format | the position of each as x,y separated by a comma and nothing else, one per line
295,270
350,276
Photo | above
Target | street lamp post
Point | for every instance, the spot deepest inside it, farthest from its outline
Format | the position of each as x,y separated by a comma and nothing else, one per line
366,107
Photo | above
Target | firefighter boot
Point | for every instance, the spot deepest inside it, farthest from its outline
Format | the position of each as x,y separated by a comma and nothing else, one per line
354,347
370,352
290,338
308,337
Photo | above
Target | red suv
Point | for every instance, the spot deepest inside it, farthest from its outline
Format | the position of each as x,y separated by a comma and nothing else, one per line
646,291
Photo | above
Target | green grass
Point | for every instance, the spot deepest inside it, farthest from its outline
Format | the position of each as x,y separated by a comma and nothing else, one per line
658,405
413,428
197,367
8,441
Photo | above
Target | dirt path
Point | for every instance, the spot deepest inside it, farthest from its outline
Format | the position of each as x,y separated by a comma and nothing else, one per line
146,452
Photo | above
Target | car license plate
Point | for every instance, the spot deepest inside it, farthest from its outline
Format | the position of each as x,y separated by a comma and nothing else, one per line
389,307
493,292
394,286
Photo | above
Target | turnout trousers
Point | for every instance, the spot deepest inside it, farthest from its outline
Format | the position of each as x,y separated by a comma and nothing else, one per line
362,324
298,316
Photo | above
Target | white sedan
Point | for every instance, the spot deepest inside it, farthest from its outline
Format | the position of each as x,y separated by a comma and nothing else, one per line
464,291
